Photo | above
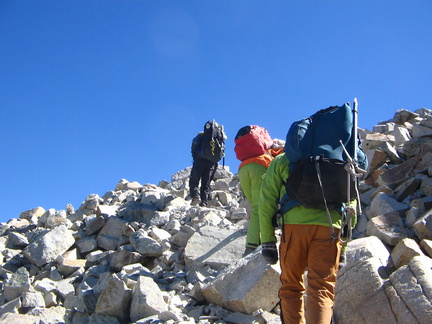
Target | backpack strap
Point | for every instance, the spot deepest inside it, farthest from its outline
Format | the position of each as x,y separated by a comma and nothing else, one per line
318,170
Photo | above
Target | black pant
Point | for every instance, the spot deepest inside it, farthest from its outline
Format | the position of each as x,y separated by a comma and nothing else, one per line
203,170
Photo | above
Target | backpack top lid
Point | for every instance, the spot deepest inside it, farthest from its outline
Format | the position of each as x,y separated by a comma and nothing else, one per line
212,124
216,129
251,141
208,125
321,135
212,145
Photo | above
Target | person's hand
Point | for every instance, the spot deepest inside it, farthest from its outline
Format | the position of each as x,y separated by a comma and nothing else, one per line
269,252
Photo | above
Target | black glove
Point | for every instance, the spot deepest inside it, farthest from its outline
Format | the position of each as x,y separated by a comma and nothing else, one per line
269,252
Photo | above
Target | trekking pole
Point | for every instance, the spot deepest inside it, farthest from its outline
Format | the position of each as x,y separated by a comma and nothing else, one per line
355,135
345,234
355,131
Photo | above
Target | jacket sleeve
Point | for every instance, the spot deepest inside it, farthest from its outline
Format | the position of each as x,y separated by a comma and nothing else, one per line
271,190
195,144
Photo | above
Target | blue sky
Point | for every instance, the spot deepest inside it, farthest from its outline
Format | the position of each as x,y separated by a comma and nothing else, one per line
95,91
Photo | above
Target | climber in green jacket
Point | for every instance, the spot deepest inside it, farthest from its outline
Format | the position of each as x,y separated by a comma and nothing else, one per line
255,149
250,176
305,243
251,173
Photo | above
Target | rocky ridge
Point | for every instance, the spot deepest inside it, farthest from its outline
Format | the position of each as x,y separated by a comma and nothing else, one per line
142,254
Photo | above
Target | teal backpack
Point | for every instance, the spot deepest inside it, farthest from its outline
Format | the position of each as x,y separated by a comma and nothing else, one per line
325,160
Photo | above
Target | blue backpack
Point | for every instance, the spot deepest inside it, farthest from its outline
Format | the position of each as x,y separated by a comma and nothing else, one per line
320,150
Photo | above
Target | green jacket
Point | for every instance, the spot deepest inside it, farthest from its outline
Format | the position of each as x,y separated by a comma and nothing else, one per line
251,176
273,190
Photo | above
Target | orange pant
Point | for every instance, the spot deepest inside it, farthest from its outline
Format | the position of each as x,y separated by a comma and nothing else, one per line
308,247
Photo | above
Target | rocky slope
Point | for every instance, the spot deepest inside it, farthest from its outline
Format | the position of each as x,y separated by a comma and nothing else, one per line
142,254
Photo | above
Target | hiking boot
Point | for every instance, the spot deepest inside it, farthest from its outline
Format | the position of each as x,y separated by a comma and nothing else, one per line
248,251
203,204
195,201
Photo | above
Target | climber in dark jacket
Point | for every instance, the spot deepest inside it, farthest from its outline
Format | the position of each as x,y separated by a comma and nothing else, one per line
203,169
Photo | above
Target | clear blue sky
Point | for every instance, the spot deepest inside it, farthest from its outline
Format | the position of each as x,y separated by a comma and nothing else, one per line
99,90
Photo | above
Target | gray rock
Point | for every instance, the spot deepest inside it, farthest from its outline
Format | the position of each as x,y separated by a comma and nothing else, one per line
94,224
383,204
147,299
45,285
414,286
74,302
133,272
399,173
115,300
389,228
134,185
401,311
206,217
376,158
47,247
181,175
404,251
18,283
32,299
423,112
139,212
256,285
154,196
102,319
401,135
426,186
223,172
427,246
391,153
403,115
238,214
159,234
419,131
106,211
33,214
214,247
423,226
414,146
65,288
11,307
87,244
56,314
145,245
425,161
67,267
375,140
412,215
242,318
406,189
120,259
17,240
13,318
58,219
182,236
361,295
111,234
